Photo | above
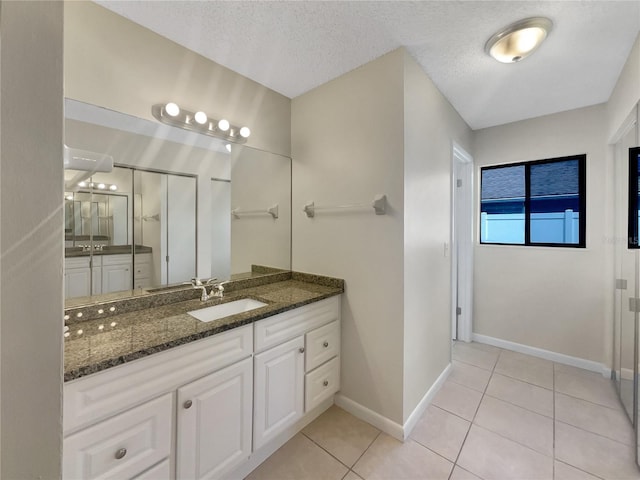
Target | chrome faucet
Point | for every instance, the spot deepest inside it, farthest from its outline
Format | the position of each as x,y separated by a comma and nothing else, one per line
217,289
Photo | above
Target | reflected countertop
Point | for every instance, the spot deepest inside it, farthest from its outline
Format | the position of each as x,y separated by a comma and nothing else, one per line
70,252
111,338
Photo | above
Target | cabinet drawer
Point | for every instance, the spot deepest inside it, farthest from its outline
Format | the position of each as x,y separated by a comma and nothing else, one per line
162,471
321,345
123,446
78,262
98,396
320,384
284,326
142,269
116,259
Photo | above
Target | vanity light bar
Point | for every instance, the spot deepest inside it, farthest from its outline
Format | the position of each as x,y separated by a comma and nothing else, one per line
172,114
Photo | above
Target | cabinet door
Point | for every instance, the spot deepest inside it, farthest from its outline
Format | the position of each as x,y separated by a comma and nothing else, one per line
77,282
279,390
214,422
116,278
96,277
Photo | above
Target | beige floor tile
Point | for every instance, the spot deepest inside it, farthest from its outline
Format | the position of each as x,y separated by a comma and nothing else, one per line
469,375
608,422
526,368
461,474
491,456
523,394
388,458
594,388
441,432
484,347
562,471
299,459
352,476
341,434
595,454
469,353
516,423
458,399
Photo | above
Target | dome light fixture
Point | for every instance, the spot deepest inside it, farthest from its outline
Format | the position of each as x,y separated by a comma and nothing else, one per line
245,132
172,109
518,40
200,117
223,125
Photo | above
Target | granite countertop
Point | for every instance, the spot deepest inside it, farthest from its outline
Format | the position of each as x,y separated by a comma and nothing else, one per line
100,343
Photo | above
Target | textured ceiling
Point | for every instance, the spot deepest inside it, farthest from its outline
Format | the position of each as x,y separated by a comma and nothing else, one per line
294,46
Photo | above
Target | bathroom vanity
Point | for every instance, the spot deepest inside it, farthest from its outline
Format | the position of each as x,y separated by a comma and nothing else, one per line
151,392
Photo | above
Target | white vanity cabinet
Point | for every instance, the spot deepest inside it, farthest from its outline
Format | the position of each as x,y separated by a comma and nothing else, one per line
209,409
294,371
77,277
142,270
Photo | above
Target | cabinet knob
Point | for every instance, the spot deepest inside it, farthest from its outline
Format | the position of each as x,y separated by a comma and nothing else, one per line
121,453
188,404
325,383
325,344
301,349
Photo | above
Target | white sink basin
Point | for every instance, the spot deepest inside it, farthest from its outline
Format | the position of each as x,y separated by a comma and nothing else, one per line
215,312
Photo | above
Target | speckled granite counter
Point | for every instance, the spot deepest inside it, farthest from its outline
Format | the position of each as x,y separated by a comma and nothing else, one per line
100,343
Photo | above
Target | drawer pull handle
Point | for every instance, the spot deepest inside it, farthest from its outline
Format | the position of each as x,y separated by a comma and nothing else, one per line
301,349
325,383
121,453
188,404
325,344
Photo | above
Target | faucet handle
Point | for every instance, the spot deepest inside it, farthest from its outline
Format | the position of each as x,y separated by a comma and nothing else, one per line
195,281
211,280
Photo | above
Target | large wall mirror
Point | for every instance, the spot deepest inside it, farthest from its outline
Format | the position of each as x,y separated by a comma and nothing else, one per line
175,205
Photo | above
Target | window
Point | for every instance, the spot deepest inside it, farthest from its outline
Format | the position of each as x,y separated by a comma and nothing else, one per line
634,196
535,203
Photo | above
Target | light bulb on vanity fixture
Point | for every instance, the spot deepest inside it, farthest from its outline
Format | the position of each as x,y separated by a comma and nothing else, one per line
172,114
518,40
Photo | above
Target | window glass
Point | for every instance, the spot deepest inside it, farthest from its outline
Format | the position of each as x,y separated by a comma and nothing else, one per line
541,202
634,196
502,206
555,202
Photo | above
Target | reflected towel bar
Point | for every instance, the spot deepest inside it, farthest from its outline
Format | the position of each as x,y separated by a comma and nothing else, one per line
273,211
379,205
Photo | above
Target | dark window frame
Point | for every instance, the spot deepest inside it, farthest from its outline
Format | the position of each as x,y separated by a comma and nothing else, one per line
632,239
582,198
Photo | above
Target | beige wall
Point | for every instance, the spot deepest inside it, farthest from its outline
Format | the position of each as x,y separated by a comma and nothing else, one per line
113,62
550,298
31,239
431,125
347,146
626,93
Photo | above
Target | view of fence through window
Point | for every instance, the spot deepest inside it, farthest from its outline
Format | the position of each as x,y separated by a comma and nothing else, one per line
534,203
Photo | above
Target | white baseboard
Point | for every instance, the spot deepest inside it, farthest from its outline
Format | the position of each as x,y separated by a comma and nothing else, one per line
545,354
424,403
363,413
397,431
626,374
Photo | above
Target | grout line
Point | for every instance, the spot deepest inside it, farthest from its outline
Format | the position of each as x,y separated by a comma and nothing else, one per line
365,451
580,469
593,433
327,451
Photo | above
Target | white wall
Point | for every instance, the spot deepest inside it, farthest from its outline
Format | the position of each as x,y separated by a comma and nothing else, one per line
551,298
347,146
431,127
115,63
31,240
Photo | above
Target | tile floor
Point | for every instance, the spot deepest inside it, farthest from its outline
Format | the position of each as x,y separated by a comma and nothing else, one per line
500,415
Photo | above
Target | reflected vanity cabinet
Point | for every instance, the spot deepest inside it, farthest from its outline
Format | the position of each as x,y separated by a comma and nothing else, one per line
84,276
201,410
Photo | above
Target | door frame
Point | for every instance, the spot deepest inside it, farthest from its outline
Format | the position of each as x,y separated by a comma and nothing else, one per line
462,168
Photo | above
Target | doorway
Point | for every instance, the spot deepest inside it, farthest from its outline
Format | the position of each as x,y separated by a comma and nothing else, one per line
461,245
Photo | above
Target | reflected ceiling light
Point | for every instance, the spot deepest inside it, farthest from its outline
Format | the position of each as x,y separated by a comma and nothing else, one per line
199,122
102,186
69,197
518,40
82,184
113,188
228,147
200,117
172,109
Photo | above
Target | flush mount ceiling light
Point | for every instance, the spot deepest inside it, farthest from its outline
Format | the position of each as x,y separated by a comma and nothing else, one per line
518,40
172,114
